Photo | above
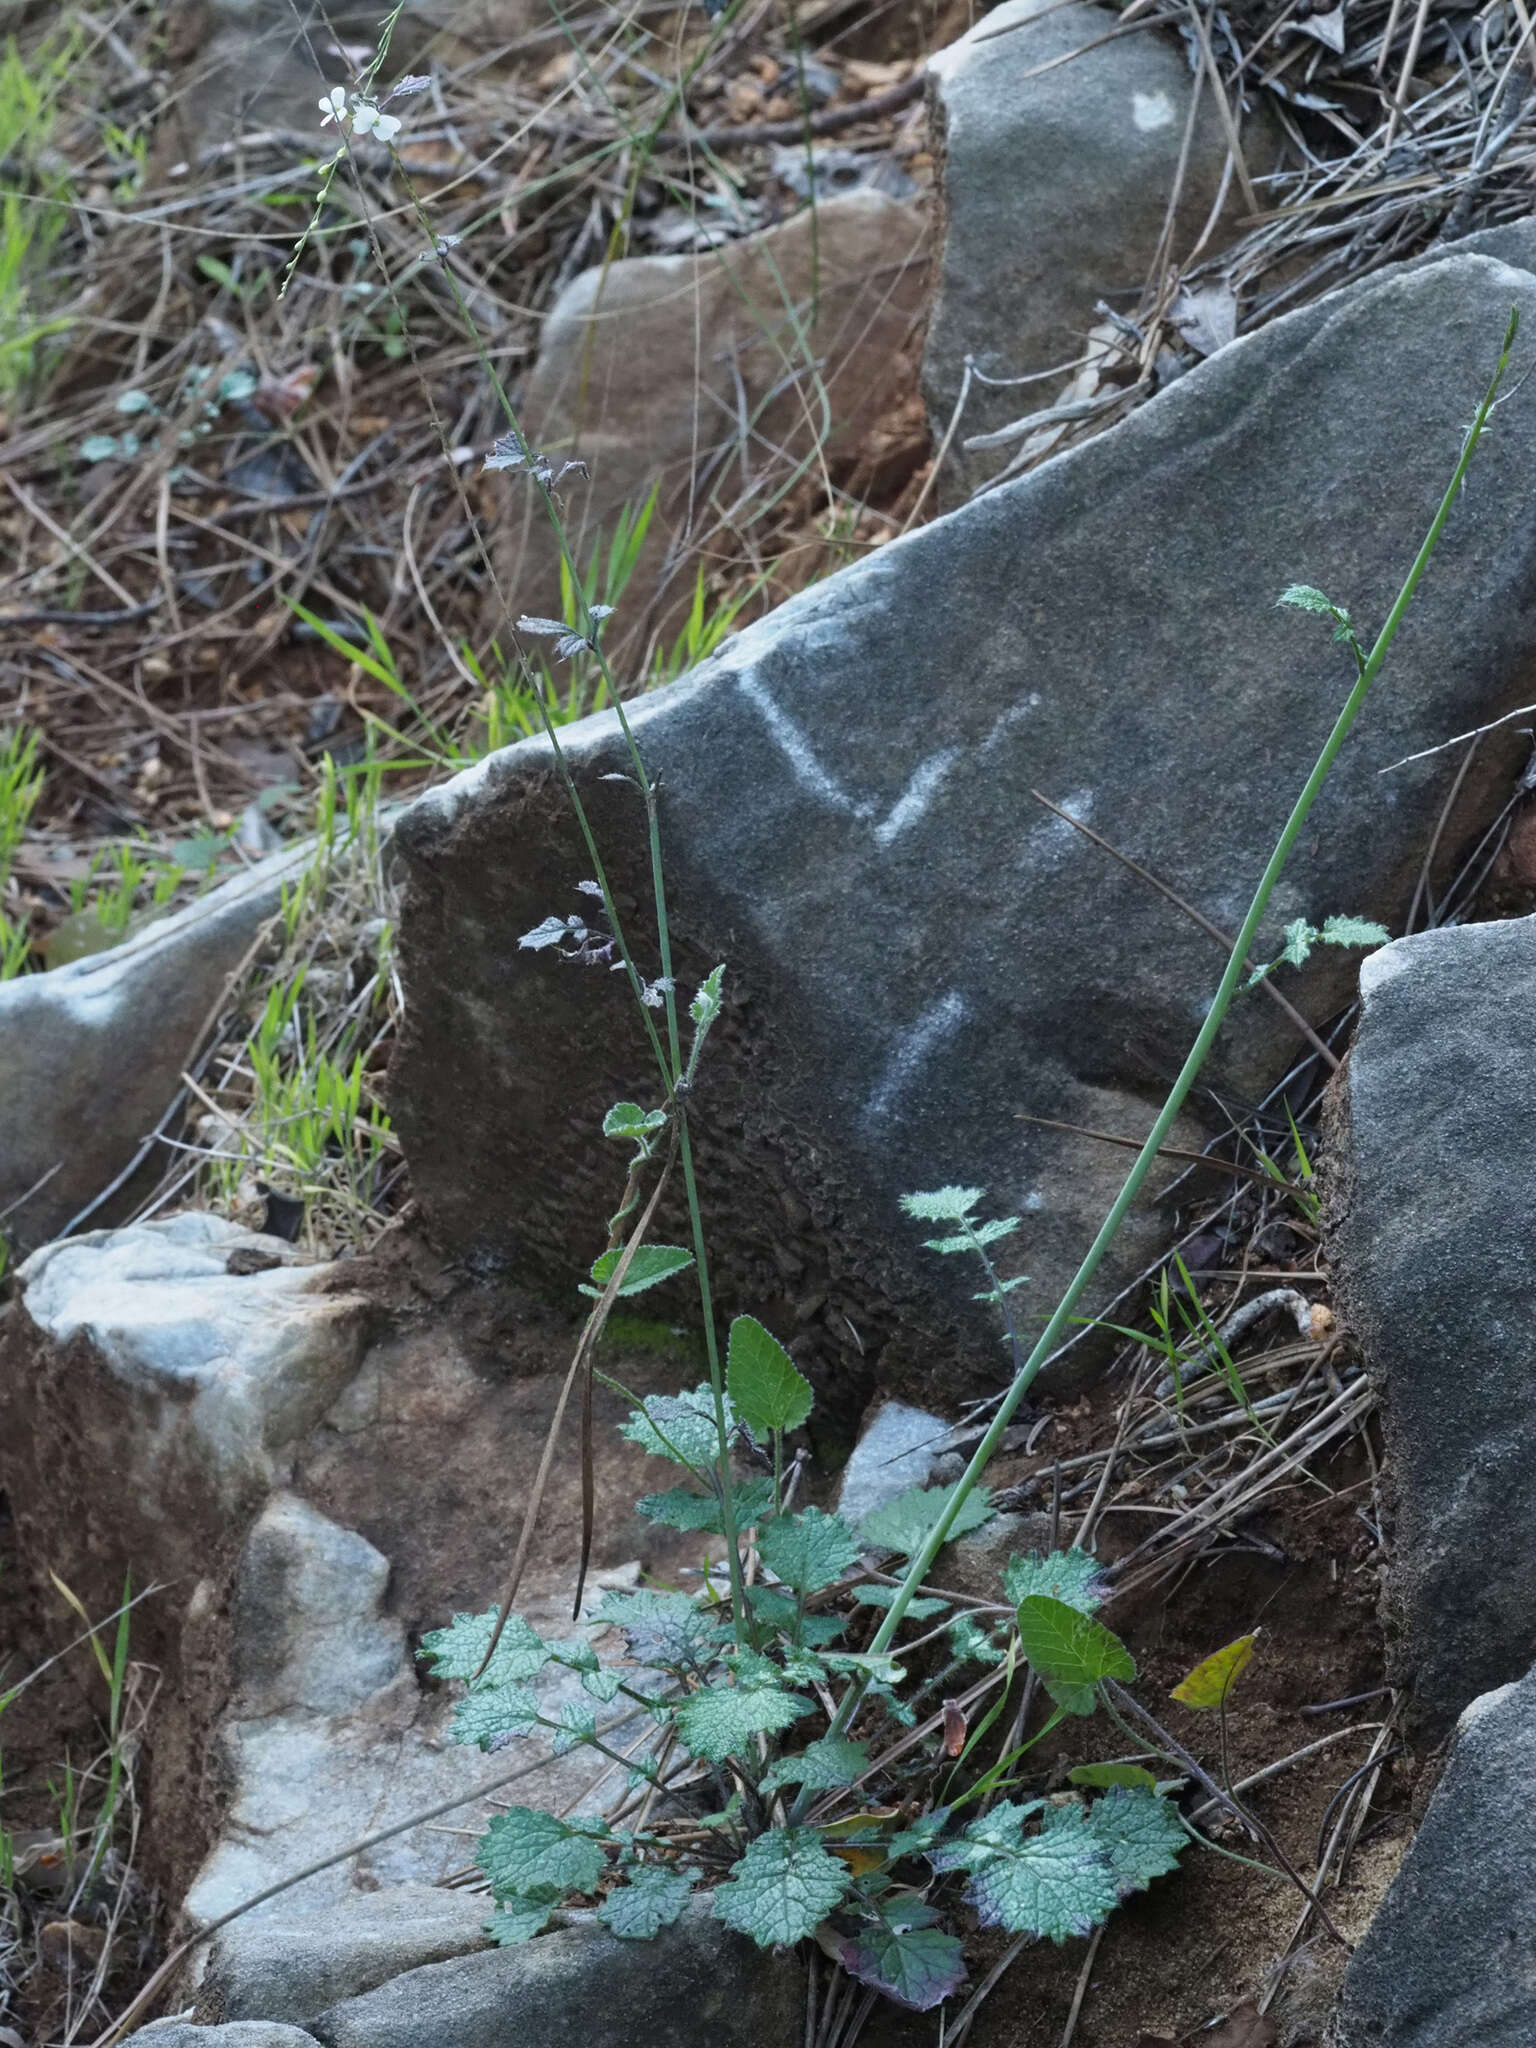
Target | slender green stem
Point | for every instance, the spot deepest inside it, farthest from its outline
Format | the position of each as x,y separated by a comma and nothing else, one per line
1046,1343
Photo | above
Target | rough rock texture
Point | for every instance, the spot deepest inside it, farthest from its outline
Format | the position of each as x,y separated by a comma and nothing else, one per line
1433,1236
1055,189
91,1054
244,2034
647,370
1450,1958
294,1962
700,1983
916,950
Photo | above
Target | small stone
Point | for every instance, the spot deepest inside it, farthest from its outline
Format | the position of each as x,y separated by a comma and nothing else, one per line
895,1451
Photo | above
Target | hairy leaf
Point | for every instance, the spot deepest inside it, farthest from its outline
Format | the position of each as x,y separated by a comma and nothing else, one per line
1070,1652
721,1720
651,1264
601,1684
809,1550
942,1205
531,1855
491,1716
776,1609
971,1643
1140,1832
915,1964
904,1523
678,1426
766,1390
576,1726
973,1236
1306,597
1353,931
705,1007
678,1508
1071,1576
668,1630
519,1920
921,1609
653,1898
783,1888
459,1650
824,1765
1052,1884
629,1120
1208,1685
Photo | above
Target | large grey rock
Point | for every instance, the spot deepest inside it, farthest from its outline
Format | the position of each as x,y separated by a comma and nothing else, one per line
1433,1245
895,1450
1450,1959
91,1055
916,951
698,1986
1055,188
712,379
293,1963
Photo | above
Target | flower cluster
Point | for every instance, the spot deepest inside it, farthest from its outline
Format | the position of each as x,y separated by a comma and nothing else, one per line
366,118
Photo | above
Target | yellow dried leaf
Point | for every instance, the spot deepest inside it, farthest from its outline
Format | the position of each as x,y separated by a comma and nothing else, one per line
1208,1685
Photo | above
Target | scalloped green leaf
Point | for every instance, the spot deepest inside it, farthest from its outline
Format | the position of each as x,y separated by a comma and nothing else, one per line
651,1264
1070,1652
669,1630
654,1897
825,1765
629,1120
807,1551
1071,1576
720,1720
519,1920
492,1715
903,1524
766,1388
1055,1883
459,1650
916,1964
1141,1833
528,1855
678,1508
680,1427
783,1888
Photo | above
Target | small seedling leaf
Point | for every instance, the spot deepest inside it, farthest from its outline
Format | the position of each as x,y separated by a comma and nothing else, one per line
654,1897
651,1263
921,1609
1099,1777
809,1550
943,1205
1071,1652
767,1391
1209,1684
783,1887
1306,597
721,1720
1070,1576
903,1524
629,1120
917,1966
681,1427
1353,931
705,1007
1141,1834
528,1855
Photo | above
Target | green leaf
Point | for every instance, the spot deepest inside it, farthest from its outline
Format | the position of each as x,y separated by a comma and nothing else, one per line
977,1234
915,1964
1052,1884
653,1898
971,1643
651,1264
576,1726
921,1609
1353,931
1141,1834
943,1205
629,1120
705,1007
1208,1685
678,1426
459,1650
809,1550
824,1765
491,1716
904,1523
528,1855
678,1508
1299,938
668,1630
1070,1652
1071,1576
518,1921
721,1720
1100,1777
602,1684
766,1390
783,1888
921,1836
1306,597
779,1610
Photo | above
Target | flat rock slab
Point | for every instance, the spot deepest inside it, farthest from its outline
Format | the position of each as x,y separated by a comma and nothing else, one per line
242,2034
699,1985
1433,1251
1450,1959
293,1963
916,951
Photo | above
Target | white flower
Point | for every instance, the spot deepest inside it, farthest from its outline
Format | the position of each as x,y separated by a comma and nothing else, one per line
333,107
366,119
